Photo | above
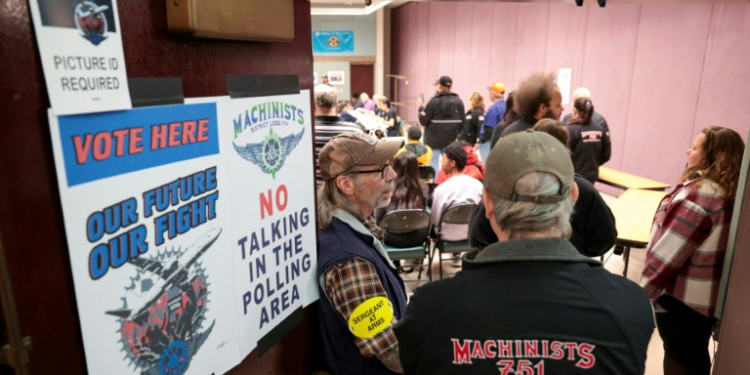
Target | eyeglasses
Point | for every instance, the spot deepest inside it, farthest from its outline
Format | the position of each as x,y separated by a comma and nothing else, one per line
383,170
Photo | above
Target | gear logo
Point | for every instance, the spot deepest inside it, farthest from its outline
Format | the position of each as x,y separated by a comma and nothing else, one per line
270,154
174,359
163,317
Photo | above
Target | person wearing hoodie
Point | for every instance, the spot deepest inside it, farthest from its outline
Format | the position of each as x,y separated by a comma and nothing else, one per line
442,118
474,167
413,145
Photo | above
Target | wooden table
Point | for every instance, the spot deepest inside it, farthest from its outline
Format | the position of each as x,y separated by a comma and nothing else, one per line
634,213
626,181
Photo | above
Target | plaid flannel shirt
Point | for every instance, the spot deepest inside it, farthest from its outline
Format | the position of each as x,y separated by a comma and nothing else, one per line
687,246
349,284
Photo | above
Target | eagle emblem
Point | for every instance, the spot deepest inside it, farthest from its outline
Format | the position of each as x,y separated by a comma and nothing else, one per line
270,154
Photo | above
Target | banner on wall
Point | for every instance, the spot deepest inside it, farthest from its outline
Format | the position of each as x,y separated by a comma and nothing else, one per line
333,41
191,229
80,45
268,144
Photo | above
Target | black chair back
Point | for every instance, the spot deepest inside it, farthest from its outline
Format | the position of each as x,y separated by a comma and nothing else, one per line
457,214
426,172
430,190
406,228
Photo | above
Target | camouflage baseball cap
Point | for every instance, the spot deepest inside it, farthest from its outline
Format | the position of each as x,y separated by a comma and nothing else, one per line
347,150
519,154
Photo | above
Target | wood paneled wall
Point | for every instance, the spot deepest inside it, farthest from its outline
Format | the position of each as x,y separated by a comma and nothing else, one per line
659,73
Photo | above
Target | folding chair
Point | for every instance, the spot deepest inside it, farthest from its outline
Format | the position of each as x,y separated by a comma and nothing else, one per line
456,214
426,173
406,236
430,190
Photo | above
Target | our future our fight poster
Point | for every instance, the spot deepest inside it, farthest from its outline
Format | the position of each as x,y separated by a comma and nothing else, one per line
146,209
191,229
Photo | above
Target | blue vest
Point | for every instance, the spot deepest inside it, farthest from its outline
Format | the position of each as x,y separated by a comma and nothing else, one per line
337,244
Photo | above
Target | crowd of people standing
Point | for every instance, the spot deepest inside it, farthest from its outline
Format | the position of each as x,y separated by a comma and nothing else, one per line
530,297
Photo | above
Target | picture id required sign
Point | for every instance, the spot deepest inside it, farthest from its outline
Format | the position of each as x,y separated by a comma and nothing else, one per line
80,45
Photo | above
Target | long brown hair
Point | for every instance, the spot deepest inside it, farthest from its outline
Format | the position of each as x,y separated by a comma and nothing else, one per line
585,110
476,101
408,193
554,128
720,160
510,116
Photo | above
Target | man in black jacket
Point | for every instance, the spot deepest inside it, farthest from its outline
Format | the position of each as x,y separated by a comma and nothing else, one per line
594,231
530,303
442,118
537,97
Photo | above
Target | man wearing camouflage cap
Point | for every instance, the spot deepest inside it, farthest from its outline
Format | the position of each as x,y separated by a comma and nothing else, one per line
530,303
361,293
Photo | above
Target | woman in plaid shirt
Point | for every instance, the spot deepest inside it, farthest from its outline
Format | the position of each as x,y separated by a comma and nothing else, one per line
686,251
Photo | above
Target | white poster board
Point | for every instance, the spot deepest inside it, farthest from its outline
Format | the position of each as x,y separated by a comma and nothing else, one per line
269,151
191,229
80,45
564,77
147,225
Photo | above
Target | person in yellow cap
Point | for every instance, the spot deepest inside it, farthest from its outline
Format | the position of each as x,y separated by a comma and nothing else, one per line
493,117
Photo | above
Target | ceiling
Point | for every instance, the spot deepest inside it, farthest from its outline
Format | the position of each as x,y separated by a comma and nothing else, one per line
357,7
347,7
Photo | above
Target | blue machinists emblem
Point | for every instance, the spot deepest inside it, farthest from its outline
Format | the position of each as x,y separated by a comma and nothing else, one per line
270,154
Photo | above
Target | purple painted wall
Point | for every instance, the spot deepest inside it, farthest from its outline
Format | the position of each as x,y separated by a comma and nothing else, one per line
659,73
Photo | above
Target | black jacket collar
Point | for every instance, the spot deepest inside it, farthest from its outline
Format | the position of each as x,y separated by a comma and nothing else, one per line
526,249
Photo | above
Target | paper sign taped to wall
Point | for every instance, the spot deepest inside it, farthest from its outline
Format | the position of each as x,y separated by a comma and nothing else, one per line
80,45
564,77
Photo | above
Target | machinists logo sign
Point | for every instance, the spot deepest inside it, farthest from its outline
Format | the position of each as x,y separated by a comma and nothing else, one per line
271,153
333,41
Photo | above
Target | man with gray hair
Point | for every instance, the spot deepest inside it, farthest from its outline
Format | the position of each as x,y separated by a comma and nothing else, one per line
596,118
328,123
530,303
361,293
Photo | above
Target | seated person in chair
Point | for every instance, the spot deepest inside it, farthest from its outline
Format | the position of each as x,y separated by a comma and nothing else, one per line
416,147
409,191
530,303
343,107
459,188
474,167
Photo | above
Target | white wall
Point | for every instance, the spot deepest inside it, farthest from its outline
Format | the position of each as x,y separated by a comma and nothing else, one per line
321,68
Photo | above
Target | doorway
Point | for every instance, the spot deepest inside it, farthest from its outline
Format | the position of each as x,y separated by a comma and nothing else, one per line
362,78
